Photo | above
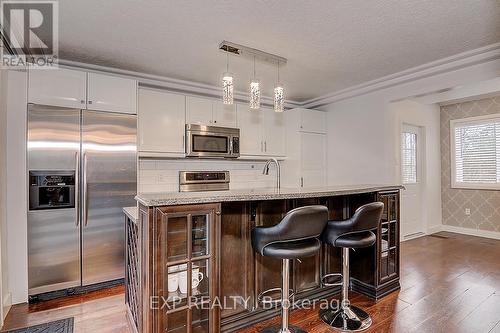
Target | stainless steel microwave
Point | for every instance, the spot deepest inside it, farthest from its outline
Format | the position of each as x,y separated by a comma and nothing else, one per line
212,141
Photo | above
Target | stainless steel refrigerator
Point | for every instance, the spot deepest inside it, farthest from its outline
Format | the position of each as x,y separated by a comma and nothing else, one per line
81,172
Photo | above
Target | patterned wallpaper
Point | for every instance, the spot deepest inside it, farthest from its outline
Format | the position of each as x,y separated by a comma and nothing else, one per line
484,205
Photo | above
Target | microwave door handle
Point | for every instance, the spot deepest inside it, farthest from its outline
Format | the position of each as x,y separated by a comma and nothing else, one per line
77,188
231,145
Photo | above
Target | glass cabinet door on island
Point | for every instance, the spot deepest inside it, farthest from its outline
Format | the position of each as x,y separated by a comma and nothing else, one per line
389,238
187,282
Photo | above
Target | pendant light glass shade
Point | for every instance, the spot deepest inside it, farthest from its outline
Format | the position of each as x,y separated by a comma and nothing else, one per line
279,98
255,94
227,84
227,88
254,91
279,94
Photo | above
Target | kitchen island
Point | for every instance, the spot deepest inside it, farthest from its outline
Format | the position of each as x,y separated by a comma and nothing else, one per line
194,269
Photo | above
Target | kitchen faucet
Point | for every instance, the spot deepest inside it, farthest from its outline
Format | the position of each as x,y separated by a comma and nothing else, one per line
266,171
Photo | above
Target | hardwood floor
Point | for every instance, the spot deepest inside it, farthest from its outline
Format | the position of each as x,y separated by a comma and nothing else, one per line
450,283
96,312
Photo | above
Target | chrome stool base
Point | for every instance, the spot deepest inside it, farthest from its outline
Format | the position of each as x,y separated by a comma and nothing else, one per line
349,318
278,329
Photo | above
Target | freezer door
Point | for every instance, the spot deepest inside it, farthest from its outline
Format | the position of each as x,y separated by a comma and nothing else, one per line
53,250
109,184
54,234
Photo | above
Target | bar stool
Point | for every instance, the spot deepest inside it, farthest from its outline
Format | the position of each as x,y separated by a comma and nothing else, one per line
354,233
296,236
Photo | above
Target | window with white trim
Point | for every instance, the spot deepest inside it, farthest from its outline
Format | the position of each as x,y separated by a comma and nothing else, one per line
475,152
409,157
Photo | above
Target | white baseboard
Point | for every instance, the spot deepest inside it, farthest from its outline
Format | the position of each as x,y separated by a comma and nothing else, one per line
434,229
413,236
471,232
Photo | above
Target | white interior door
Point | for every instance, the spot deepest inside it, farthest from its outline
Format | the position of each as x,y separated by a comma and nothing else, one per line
412,224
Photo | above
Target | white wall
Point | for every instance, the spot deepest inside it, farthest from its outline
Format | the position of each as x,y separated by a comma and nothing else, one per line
362,146
17,245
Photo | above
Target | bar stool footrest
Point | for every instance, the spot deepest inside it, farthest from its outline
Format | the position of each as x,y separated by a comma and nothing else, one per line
261,297
325,283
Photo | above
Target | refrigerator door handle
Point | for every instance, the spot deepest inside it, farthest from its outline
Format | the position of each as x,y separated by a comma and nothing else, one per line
85,197
77,187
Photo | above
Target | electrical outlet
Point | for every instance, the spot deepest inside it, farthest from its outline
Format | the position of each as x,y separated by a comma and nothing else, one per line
467,211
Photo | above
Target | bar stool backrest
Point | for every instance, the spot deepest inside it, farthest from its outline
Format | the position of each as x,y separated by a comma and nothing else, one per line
298,224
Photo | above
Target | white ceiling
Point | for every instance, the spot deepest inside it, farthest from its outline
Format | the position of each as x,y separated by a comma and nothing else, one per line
330,44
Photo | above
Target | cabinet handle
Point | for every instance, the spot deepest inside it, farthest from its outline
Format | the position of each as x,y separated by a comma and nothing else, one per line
82,101
261,145
265,146
301,181
215,121
90,102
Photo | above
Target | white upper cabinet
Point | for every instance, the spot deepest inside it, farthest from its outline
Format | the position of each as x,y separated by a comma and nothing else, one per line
161,121
311,120
198,110
250,123
209,112
224,115
274,132
262,131
57,87
81,90
111,93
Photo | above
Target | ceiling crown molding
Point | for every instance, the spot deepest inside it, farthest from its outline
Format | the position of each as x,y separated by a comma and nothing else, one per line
458,61
171,84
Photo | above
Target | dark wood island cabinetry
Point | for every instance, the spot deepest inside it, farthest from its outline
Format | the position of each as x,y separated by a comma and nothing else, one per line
198,272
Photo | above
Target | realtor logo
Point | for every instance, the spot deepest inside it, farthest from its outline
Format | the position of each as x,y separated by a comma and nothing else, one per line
29,33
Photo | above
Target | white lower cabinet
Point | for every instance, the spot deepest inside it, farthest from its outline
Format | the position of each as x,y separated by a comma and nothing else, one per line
161,121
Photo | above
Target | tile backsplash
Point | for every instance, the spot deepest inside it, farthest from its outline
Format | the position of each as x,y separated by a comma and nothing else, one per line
162,175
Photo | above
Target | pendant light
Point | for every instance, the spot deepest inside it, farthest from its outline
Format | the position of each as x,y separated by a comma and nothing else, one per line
279,97
227,84
254,91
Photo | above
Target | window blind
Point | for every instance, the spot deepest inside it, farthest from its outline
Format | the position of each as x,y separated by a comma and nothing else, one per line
477,152
409,157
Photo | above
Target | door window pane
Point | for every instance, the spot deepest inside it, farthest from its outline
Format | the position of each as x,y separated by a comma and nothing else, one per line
409,157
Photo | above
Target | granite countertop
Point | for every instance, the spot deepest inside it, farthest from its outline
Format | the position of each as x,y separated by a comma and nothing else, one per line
132,213
183,198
